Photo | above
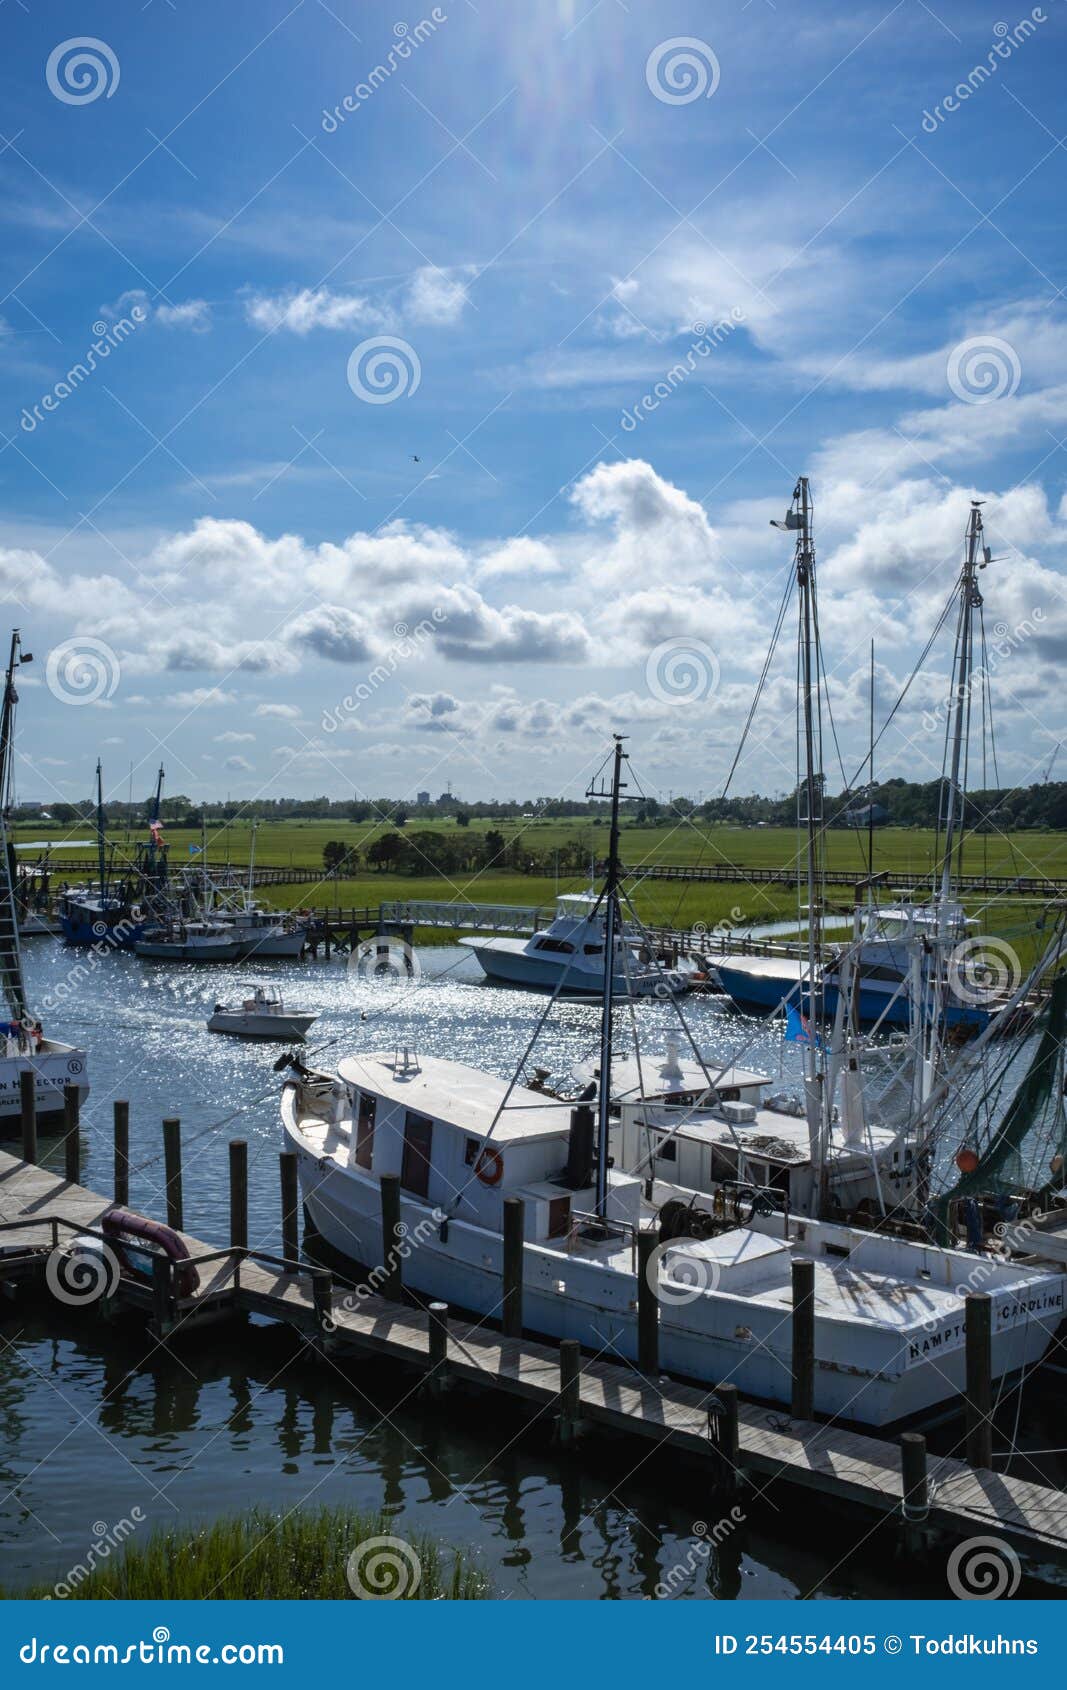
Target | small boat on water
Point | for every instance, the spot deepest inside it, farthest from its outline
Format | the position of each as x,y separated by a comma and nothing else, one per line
116,910
178,940
261,1016
568,956
23,1045
259,932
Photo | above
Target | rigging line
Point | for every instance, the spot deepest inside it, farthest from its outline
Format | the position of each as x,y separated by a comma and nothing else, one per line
767,661
908,684
824,688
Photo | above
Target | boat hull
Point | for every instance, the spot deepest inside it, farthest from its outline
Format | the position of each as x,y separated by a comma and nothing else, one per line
282,1029
507,963
879,1001
54,1068
862,1374
165,950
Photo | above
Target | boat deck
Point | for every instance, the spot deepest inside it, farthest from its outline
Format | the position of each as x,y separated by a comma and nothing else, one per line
37,1207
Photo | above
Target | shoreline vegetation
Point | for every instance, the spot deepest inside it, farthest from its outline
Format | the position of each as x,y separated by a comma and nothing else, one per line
325,1554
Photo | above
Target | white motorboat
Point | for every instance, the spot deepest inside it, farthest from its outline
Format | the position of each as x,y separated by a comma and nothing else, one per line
188,941
569,956
261,1016
889,1314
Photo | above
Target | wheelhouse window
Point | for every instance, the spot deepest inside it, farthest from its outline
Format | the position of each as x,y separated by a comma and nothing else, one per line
415,1162
555,945
666,1150
368,1105
593,950
471,1151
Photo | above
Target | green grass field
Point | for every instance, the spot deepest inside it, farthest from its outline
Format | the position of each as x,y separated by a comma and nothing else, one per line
300,844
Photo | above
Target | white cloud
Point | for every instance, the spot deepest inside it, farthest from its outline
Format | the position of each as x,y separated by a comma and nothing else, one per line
230,737
333,632
303,309
237,763
436,296
283,712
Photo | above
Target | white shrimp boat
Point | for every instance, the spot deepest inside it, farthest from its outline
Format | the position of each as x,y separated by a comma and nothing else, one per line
188,941
889,1314
261,1016
568,956
23,1045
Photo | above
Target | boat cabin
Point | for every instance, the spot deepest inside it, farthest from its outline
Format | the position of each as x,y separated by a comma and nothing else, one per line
440,1126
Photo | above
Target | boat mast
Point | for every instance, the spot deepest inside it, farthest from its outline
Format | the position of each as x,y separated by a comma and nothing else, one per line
970,601
798,519
609,897
10,954
100,849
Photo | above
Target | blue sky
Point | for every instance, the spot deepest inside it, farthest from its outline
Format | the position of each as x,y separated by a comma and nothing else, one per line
212,536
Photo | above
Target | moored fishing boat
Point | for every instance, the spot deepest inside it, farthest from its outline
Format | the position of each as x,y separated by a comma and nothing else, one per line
24,1047
889,1312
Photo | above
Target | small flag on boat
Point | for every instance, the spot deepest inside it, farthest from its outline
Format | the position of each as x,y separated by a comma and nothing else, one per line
195,850
798,1027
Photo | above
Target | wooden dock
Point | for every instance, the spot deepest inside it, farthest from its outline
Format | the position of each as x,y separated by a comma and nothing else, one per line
745,1445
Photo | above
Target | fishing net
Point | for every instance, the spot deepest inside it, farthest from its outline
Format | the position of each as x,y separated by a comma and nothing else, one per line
1007,1110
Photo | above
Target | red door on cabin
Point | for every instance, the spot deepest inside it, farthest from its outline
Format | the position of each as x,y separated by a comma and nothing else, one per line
415,1165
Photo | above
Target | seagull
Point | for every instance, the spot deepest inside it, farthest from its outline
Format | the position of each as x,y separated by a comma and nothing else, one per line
415,458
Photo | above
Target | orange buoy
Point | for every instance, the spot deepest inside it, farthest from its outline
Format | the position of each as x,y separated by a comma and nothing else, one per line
966,1159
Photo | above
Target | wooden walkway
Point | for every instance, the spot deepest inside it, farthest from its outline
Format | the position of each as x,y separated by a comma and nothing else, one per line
39,1210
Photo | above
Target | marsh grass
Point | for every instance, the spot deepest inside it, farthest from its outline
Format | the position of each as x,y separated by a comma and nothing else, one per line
257,1556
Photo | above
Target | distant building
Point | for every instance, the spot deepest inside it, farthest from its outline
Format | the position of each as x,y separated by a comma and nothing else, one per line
422,797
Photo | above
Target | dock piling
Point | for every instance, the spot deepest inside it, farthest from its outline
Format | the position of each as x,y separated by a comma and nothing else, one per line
290,1205
71,1130
979,1339
322,1298
725,1431
514,1229
392,1285
803,1327
122,1152
915,1488
647,1305
172,1163
239,1193
437,1373
28,1111
570,1389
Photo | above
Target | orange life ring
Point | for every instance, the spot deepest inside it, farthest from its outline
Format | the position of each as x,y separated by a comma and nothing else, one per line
490,1166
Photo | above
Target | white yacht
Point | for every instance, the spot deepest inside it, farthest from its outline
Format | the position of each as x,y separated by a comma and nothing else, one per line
889,1314
569,955
263,1015
260,932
